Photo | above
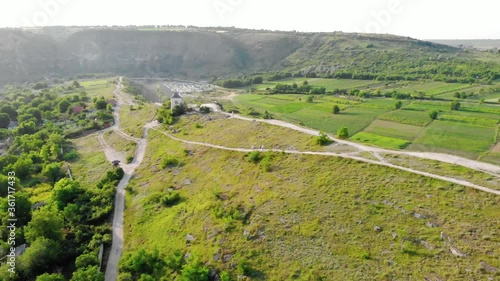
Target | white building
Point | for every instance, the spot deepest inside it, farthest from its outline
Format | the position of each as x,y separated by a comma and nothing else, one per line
175,100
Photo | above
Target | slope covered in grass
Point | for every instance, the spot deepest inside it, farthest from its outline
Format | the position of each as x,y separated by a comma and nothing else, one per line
305,217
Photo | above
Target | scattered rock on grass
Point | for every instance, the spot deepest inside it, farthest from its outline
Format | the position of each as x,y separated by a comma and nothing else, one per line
488,267
456,252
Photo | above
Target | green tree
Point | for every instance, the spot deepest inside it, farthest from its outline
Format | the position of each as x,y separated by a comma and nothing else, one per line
4,120
433,114
63,105
9,110
25,128
398,104
343,133
23,166
101,103
25,117
179,110
143,262
257,80
165,116
86,260
194,270
310,99
39,258
322,139
336,109
66,191
23,210
455,105
91,273
45,153
146,277
52,172
46,222
50,277
76,84
35,112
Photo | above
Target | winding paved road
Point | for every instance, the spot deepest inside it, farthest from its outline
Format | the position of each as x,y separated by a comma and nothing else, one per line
111,154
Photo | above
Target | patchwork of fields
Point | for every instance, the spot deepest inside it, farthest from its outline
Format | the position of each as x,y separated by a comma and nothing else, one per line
471,131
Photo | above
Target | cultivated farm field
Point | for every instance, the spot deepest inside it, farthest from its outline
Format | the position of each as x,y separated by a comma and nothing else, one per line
469,132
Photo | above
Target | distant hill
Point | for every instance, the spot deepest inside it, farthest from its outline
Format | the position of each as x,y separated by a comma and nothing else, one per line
482,44
209,53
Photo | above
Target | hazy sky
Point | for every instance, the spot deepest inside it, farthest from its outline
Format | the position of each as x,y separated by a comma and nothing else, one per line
423,19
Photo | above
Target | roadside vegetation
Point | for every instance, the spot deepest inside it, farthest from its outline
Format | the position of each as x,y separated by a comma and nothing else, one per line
62,222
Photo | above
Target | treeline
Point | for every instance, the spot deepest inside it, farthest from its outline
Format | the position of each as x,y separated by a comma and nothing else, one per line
238,83
305,88
389,69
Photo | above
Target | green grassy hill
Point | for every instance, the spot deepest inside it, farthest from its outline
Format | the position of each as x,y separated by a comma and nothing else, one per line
302,217
208,53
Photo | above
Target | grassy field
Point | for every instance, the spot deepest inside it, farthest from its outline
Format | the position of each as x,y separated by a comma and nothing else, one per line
98,88
408,117
120,144
133,118
394,130
462,139
309,217
381,141
233,131
431,88
91,164
445,169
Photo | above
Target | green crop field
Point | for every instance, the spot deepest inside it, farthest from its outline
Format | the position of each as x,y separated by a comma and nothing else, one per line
355,118
431,88
429,106
409,117
386,142
462,139
98,88
394,130
317,114
382,103
377,116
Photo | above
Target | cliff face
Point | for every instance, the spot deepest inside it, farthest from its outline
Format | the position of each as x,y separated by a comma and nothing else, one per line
30,56
192,54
